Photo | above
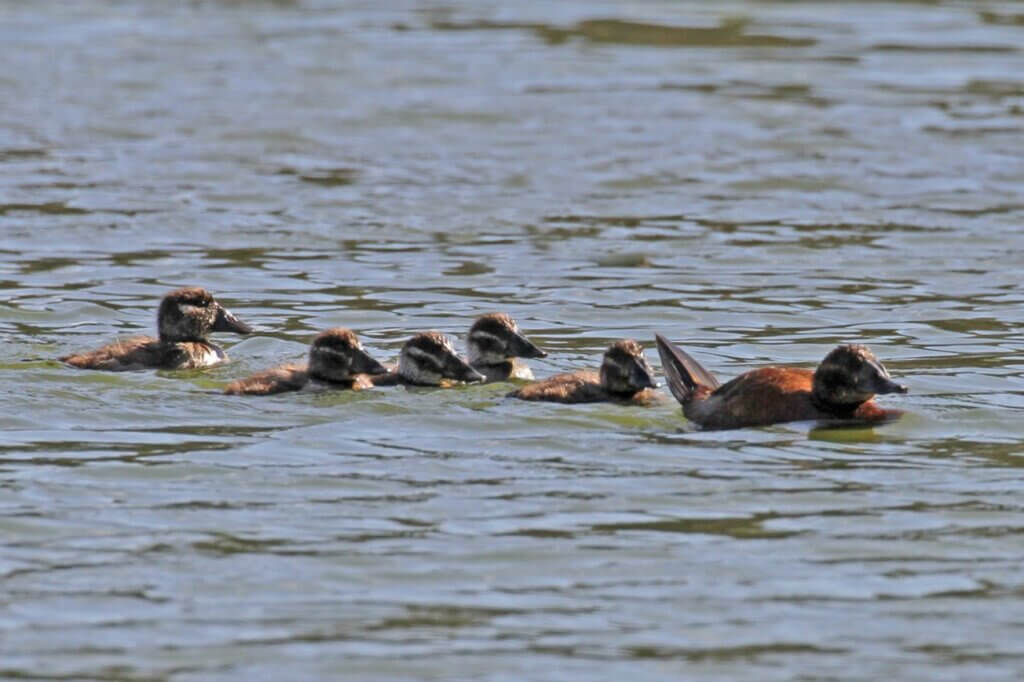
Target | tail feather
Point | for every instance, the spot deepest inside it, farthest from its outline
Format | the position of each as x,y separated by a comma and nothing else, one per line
683,373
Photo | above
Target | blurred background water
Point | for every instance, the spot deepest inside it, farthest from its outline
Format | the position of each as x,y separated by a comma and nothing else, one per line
757,180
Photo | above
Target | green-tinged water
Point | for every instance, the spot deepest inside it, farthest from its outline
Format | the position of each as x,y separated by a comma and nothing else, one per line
756,180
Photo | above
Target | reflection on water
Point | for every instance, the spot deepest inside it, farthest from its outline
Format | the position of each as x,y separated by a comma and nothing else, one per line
731,32
759,181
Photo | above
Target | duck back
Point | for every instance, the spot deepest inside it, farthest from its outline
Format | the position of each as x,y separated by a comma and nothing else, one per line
583,386
773,395
278,380
146,352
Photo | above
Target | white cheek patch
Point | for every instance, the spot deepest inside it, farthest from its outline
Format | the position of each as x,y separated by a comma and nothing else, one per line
332,353
483,335
187,310
418,353
480,351
615,372
615,365
420,366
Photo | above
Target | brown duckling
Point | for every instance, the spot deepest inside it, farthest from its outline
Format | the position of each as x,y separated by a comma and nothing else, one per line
428,359
495,345
184,321
336,360
841,388
625,376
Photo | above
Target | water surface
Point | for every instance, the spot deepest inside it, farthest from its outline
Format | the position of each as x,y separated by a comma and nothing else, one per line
759,181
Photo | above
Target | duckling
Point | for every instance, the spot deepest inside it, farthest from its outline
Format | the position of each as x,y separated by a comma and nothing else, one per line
495,345
336,360
840,389
428,359
625,376
184,321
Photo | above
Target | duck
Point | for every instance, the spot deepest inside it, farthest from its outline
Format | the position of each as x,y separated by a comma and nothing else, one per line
428,359
625,376
336,360
185,319
840,390
494,346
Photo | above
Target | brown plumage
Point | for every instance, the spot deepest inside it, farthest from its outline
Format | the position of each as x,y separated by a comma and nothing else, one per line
269,382
840,389
581,386
625,376
185,319
289,378
336,360
145,352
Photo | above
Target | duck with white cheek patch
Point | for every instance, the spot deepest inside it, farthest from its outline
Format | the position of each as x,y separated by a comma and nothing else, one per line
625,377
185,320
495,347
429,359
337,360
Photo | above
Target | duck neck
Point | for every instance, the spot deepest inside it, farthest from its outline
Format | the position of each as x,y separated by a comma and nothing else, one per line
168,340
626,394
622,395
821,401
409,378
324,379
492,370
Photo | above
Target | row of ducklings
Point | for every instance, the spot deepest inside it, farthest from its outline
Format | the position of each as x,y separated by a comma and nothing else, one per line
841,388
337,358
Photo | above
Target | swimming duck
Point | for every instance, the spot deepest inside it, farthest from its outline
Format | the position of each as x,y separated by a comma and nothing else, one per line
184,321
336,360
625,376
841,388
428,359
495,345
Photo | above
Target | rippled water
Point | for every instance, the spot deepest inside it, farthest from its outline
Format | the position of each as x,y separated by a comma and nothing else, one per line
757,180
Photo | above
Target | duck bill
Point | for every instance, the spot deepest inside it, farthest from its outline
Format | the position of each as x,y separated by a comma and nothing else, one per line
362,363
642,376
882,383
887,385
458,369
226,322
522,347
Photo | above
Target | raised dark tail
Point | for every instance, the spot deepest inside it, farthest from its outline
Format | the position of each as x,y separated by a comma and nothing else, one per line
683,373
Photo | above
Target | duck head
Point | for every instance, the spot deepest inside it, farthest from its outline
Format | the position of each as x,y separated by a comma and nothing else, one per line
429,358
192,313
495,338
625,370
337,355
850,375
